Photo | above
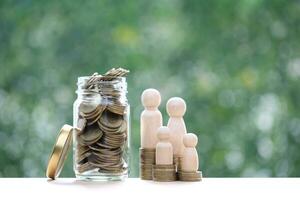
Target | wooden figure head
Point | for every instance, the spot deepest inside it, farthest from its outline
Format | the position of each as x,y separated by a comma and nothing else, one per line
151,98
163,133
176,107
190,140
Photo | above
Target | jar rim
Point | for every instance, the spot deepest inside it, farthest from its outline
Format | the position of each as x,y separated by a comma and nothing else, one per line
83,79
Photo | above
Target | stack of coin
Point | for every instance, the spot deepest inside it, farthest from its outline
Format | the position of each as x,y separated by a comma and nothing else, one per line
115,73
164,173
189,176
101,134
111,75
177,162
147,160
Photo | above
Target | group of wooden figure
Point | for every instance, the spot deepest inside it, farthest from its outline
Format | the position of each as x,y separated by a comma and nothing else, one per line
173,146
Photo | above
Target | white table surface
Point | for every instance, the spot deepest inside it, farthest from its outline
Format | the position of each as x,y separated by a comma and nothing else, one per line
133,188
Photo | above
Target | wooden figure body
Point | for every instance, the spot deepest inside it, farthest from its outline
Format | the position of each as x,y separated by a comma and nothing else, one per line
164,149
176,108
189,160
151,118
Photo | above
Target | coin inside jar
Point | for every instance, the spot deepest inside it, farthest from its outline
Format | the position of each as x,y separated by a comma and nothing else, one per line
101,143
118,109
111,120
93,116
81,123
81,149
91,135
88,107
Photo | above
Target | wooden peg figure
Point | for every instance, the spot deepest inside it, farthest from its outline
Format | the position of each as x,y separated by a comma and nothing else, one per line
189,160
151,118
176,108
164,149
164,169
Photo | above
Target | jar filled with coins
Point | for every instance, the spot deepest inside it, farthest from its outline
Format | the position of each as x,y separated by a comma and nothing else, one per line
101,126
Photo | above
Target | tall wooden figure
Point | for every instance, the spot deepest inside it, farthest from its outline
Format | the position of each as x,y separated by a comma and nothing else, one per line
164,169
176,108
190,161
151,120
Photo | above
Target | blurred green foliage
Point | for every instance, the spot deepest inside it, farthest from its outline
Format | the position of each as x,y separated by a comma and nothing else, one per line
236,63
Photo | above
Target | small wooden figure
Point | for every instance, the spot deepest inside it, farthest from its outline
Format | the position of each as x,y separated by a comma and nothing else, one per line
164,149
164,169
190,161
151,118
176,108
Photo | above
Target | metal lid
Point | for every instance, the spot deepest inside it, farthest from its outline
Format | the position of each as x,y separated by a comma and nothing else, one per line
59,152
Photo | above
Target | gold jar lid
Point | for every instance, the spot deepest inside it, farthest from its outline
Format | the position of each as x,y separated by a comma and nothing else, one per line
59,152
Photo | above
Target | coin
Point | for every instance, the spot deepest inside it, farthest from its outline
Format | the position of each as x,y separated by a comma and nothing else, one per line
81,123
91,135
87,107
177,162
116,151
164,167
147,160
85,167
93,116
111,120
164,173
114,73
190,176
145,150
147,156
81,149
82,158
123,127
101,145
118,109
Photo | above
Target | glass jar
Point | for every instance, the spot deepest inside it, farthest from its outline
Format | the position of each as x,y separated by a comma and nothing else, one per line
101,117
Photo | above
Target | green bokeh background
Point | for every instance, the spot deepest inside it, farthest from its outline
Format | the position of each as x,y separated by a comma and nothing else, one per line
236,63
